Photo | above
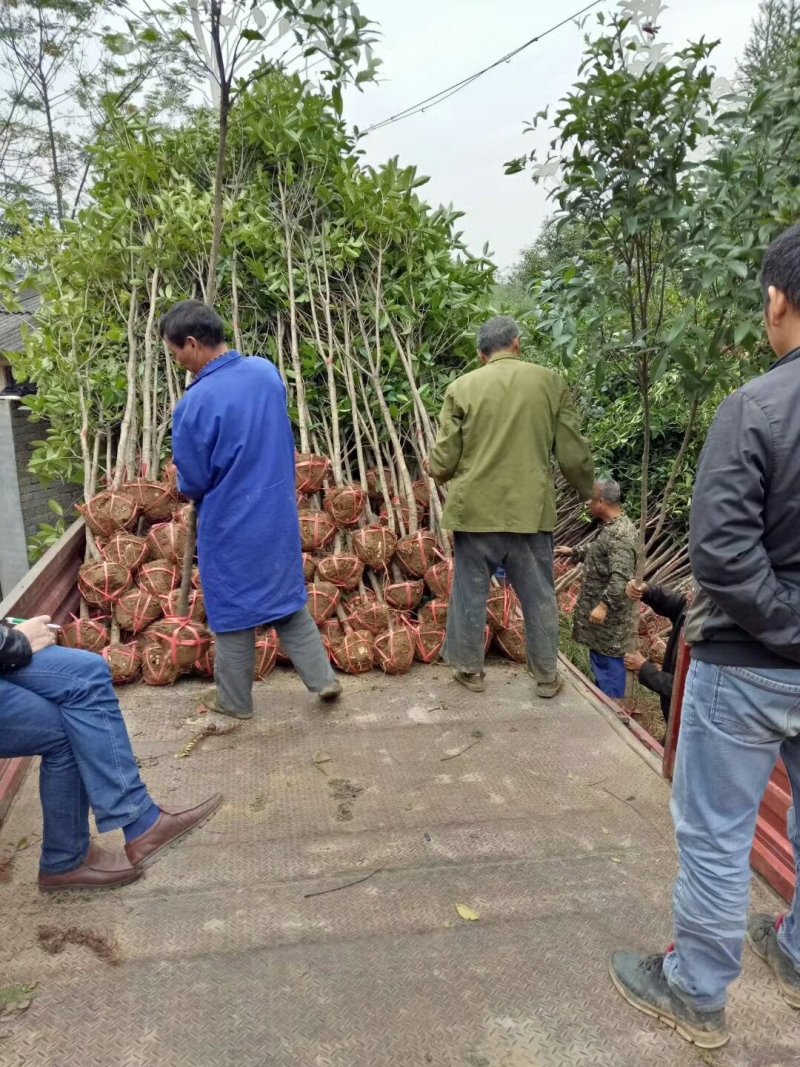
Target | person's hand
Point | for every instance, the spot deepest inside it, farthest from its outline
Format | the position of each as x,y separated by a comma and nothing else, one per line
635,590
634,661
563,550
37,632
599,614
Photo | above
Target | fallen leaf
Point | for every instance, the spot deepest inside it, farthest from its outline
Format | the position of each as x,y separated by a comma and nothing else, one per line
614,859
467,913
322,757
22,844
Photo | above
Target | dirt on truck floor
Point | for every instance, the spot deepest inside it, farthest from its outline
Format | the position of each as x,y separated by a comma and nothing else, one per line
417,875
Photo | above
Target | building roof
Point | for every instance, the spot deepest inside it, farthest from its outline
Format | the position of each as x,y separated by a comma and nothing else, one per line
11,322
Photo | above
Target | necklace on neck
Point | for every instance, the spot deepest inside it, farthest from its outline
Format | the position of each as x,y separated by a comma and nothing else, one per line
227,352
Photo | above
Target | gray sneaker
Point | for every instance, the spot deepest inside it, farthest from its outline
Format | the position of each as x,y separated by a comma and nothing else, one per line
332,691
546,690
210,702
641,981
476,683
762,933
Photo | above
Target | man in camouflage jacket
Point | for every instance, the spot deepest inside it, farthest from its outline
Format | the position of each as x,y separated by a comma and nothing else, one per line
602,619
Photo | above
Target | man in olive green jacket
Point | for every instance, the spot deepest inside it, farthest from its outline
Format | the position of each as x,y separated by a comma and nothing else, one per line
499,428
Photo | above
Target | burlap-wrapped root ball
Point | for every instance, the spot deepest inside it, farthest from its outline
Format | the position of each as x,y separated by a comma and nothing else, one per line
332,633
196,604
422,494
204,664
310,472
124,662
375,546
439,579
309,567
92,635
317,530
156,499
159,577
345,504
417,553
394,650
182,639
125,548
343,571
323,600
266,654
400,512
501,607
374,487
136,609
371,616
435,612
109,511
429,638
355,653
167,540
102,582
405,596
511,642
157,666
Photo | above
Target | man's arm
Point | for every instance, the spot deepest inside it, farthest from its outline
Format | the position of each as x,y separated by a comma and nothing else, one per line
667,602
659,681
446,453
622,565
571,448
191,450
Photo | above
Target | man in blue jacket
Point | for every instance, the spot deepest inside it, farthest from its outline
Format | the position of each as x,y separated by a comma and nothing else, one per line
233,447
741,709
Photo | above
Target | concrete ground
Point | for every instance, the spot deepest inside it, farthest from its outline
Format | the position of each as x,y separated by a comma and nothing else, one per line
247,944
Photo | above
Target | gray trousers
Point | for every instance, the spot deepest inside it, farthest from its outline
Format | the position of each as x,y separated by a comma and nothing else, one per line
528,562
236,659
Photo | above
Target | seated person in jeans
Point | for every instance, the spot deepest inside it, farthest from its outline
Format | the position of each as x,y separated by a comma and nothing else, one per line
603,617
672,605
60,704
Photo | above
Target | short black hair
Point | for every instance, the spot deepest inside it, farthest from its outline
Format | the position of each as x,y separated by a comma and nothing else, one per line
781,266
192,318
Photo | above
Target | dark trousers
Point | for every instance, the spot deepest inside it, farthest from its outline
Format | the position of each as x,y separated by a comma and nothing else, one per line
528,562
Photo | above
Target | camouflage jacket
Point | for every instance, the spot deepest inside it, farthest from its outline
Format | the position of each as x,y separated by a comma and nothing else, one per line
609,562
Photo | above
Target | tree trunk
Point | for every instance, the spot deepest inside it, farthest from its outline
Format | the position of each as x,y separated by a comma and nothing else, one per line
149,373
127,420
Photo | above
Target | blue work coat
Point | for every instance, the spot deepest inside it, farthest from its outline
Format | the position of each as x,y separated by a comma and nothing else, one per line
234,450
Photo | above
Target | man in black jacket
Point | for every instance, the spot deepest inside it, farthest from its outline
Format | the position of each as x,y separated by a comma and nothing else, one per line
670,604
59,703
741,708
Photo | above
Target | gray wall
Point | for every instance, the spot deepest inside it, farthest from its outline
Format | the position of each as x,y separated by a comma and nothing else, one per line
34,496
23,499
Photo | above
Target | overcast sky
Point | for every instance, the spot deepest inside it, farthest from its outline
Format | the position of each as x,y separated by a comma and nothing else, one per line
463,143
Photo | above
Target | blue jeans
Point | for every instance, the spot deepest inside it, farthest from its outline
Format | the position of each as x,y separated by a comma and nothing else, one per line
609,673
63,707
736,722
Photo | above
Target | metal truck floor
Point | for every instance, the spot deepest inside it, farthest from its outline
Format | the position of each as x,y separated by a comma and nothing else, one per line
536,814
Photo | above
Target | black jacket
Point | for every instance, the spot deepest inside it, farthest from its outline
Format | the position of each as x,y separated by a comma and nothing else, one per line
15,650
744,541
673,605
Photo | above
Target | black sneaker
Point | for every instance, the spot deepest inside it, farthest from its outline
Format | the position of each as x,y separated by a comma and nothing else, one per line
762,933
641,981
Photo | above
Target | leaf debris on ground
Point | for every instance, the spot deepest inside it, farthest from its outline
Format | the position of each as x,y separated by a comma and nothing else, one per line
467,913
53,939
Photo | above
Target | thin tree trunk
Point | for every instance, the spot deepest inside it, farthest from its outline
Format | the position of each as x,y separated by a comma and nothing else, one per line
676,469
237,329
149,371
127,420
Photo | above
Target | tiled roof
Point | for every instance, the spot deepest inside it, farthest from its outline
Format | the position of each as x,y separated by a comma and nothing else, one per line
11,322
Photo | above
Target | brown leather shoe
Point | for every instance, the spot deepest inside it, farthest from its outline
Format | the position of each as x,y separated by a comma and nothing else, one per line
99,870
170,827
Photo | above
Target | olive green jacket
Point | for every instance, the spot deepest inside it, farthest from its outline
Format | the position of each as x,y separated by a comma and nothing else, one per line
498,430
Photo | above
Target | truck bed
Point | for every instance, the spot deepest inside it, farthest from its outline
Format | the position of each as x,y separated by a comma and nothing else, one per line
248,944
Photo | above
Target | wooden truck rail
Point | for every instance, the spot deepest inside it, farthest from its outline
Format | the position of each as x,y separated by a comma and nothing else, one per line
50,588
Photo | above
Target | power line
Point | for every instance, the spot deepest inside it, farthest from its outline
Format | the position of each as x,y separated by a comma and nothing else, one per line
451,90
